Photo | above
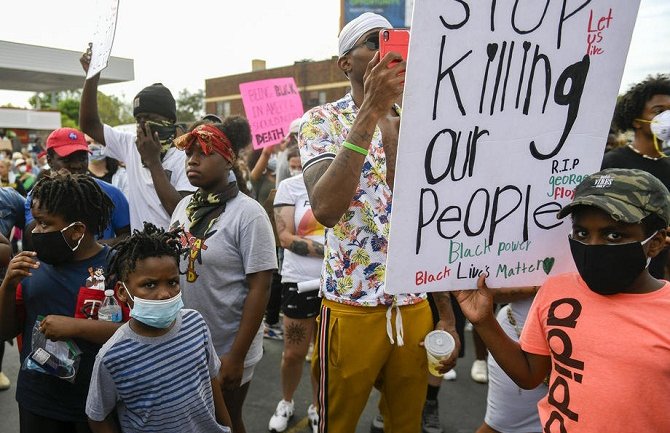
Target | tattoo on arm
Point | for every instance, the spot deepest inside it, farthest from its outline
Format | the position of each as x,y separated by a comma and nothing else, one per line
279,221
318,248
443,303
362,137
299,247
442,298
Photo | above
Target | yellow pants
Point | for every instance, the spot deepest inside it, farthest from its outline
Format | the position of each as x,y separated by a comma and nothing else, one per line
353,353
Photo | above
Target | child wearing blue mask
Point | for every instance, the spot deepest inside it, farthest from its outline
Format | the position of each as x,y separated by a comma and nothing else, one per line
159,370
600,334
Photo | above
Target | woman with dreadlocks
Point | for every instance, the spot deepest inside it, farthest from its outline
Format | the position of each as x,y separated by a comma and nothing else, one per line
70,210
231,254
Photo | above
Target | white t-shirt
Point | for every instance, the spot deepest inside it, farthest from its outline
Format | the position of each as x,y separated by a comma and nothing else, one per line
239,243
297,268
142,197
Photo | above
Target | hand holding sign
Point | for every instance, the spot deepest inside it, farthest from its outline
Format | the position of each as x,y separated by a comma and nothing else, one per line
85,58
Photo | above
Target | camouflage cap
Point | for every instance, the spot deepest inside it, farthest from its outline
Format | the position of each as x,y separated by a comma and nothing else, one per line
627,195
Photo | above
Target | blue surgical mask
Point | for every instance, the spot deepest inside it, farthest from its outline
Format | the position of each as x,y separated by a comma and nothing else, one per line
97,152
155,313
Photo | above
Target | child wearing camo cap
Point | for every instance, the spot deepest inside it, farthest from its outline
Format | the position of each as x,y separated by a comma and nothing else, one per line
600,334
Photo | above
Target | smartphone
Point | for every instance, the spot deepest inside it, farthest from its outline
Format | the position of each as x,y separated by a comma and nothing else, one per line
396,40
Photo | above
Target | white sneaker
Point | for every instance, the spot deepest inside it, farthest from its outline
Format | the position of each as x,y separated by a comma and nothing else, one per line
450,375
313,417
283,413
4,380
479,371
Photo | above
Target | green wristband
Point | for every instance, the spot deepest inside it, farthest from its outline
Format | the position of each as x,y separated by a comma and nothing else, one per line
355,148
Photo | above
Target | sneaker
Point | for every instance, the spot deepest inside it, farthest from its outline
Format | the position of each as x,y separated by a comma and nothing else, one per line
430,418
450,375
273,332
4,382
479,371
377,425
283,413
313,418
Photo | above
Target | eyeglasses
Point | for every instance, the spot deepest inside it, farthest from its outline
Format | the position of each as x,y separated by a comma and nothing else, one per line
371,42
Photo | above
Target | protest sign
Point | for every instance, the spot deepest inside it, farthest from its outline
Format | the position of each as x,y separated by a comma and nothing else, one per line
270,106
507,106
103,38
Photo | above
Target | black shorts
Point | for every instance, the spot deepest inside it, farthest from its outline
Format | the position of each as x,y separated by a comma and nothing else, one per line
296,305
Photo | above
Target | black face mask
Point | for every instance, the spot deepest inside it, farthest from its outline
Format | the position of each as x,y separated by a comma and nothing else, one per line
52,248
608,269
166,133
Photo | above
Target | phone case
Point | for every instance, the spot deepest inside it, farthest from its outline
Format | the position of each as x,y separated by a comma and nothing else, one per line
396,40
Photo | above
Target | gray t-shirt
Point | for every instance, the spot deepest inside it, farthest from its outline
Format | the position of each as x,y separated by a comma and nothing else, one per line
240,242
157,383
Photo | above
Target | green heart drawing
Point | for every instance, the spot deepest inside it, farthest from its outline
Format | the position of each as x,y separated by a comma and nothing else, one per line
547,264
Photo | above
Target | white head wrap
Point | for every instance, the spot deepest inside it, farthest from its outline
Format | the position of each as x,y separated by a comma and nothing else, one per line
358,27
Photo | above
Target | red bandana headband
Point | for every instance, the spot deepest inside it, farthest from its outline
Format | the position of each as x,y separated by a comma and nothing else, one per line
210,138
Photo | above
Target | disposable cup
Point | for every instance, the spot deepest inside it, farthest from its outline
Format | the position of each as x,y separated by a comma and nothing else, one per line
439,345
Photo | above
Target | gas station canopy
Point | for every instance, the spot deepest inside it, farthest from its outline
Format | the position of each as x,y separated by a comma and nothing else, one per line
32,68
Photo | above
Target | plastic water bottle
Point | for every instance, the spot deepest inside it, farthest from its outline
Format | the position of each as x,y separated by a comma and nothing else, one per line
110,310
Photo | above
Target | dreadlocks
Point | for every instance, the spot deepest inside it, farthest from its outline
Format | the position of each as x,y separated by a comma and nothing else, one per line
150,242
631,105
75,197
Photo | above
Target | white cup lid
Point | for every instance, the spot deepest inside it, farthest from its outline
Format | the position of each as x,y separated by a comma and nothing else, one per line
439,343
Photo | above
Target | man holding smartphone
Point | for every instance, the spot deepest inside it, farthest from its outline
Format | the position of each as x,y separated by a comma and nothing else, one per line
348,151
156,175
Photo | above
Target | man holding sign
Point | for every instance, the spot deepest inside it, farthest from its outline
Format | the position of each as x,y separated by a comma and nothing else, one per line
155,168
348,150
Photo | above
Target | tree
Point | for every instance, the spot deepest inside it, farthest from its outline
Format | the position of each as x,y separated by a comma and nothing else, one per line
112,110
190,106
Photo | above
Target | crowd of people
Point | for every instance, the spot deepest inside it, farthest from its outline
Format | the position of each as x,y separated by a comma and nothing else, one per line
210,246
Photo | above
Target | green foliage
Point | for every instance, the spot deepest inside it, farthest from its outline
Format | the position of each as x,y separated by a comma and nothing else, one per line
190,106
112,110
69,110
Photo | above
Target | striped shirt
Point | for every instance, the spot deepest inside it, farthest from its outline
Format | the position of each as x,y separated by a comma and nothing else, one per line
157,384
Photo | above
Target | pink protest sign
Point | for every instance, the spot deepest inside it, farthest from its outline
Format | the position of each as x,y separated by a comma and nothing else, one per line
270,106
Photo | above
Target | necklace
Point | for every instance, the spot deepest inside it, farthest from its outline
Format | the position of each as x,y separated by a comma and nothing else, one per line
631,147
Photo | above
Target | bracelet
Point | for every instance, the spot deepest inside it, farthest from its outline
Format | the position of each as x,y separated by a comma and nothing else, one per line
355,148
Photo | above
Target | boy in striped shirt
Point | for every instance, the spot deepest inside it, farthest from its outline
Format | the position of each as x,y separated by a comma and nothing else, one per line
158,370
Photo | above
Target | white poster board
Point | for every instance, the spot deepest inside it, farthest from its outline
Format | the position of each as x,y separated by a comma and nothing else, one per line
103,38
507,106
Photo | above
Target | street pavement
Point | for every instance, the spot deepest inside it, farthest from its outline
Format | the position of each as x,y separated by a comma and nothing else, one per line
462,402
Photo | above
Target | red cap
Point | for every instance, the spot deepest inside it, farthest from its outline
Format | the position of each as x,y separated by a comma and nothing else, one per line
65,141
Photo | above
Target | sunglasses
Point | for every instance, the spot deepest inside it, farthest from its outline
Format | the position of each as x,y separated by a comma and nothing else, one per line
371,42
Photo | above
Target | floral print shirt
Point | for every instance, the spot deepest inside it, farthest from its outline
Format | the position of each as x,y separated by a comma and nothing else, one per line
354,268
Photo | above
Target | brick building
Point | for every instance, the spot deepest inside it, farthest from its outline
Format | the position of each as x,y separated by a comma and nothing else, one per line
318,82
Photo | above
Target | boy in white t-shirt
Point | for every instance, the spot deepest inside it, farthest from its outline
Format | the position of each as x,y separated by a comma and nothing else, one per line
155,168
